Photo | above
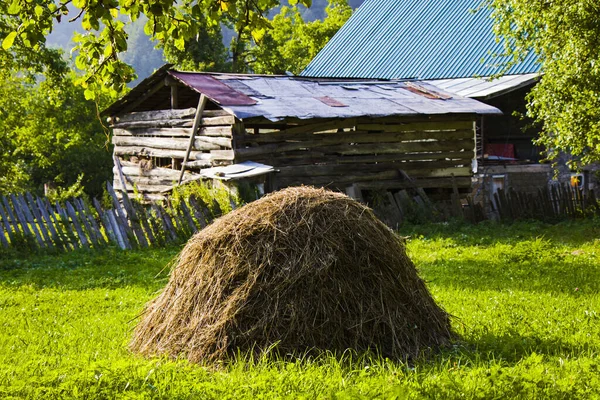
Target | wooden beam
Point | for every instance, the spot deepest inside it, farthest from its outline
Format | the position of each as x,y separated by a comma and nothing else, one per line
199,110
143,97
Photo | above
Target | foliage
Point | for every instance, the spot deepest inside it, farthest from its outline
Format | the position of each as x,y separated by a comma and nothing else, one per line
208,193
529,327
49,133
566,36
105,39
33,59
204,52
61,194
291,43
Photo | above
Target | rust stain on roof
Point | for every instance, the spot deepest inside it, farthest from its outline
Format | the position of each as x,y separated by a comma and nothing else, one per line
331,102
425,92
215,89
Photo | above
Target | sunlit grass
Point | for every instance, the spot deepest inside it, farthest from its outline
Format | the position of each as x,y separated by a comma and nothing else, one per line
524,298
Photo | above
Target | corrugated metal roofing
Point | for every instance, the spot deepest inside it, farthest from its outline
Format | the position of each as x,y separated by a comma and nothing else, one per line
426,39
481,88
281,97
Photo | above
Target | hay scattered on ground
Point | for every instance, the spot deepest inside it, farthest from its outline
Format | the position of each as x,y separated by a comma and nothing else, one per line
302,268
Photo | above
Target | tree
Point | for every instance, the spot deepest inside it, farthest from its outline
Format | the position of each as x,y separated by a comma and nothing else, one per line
50,133
205,52
98,50
565,35
291,43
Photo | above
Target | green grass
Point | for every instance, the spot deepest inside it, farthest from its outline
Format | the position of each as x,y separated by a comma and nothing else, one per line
524,298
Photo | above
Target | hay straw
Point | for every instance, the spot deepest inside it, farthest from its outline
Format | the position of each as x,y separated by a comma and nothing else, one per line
302,268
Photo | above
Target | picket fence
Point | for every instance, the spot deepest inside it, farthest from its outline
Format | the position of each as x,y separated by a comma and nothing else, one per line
555,202
126,223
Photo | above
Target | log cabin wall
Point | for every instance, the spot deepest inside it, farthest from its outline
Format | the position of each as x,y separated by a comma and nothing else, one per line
436,152
150,147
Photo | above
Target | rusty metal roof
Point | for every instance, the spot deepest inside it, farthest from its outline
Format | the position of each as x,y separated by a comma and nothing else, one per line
283,97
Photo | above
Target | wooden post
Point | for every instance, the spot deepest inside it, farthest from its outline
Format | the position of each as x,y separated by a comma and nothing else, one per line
197,120
7,224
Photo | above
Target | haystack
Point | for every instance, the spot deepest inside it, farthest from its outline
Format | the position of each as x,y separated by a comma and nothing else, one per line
303,269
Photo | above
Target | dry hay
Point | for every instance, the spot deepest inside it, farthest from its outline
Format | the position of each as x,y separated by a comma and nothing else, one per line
302,268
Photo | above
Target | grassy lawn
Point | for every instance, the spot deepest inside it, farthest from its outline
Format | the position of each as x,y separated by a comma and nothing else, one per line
525,300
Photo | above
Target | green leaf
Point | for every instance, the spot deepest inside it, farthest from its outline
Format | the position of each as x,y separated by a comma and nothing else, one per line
89,94
39,10
108,50
14,8
9,40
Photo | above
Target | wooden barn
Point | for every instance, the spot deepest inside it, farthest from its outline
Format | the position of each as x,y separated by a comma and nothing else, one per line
369,134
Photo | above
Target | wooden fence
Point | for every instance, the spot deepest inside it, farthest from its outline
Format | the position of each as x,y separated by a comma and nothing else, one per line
552,203
25,219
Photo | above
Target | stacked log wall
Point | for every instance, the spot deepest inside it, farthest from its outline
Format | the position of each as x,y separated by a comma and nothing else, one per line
144,139
434,152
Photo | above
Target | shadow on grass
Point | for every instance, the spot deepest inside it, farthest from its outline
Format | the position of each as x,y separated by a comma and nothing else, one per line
88,269
542,276
512,348
569,233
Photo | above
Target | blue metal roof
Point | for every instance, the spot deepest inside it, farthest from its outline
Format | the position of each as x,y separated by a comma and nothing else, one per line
424,39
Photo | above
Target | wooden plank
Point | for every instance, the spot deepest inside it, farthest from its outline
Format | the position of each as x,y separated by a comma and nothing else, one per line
444,183
441,118
141,213
197,164
131,214
214,155
417,126
20,216
54,224
182,123
144,188
319,126
38,218
188,217
67,226
4,227
156,172
87,226
167,227
344,169
117,229
7,224
207,131
121,218
29,218
75,221
359,137
303,157
357,149
11,215
387,148
105,223
442,155
157,115
94,225
200,212
199,144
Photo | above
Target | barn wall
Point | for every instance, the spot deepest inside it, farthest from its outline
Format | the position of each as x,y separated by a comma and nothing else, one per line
366,151
151,145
